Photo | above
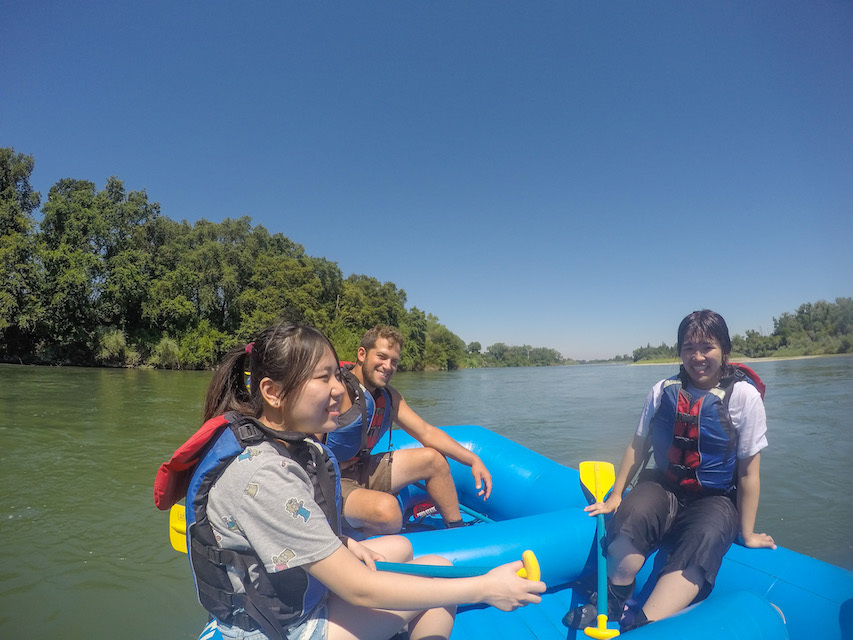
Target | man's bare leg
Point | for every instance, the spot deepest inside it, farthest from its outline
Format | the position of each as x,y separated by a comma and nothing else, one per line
414,465
378,513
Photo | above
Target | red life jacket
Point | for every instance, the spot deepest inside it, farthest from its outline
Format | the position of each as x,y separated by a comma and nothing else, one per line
694,439
173,477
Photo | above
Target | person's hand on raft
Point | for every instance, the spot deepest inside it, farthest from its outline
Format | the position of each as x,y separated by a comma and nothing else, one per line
759,541
602,508
507,591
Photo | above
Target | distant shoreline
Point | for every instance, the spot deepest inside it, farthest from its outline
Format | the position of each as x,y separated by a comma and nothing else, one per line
745,359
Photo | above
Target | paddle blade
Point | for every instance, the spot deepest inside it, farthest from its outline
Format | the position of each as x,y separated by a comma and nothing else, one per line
601,631
178,527
597,477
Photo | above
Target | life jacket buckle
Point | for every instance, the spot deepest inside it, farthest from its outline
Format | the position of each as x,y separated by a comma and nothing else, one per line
248,433
214,555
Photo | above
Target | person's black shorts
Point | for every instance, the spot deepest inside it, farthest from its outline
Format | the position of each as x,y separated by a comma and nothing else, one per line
697,531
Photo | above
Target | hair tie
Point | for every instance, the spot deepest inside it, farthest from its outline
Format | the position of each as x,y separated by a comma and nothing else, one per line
248,348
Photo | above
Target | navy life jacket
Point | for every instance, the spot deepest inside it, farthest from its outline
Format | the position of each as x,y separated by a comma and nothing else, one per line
353,440
694,440
273,601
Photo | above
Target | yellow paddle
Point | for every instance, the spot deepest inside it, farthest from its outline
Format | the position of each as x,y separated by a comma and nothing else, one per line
598,478
178,527
530,570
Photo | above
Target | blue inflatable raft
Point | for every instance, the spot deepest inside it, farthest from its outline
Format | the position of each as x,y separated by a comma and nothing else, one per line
537,504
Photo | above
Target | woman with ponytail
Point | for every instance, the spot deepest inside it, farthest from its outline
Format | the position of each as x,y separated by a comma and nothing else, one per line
263,511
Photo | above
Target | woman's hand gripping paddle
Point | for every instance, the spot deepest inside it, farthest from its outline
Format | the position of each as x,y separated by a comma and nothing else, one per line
598,478
530,570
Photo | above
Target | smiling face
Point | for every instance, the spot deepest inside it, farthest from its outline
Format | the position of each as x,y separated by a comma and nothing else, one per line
379,363
314,407
703,359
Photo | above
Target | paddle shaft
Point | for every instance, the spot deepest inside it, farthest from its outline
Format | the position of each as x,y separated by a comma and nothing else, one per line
432,571
530,571
602,566
602,562
598,478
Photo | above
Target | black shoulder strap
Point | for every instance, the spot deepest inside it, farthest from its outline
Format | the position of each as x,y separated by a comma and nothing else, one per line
727,382
250,430
354,383
327,486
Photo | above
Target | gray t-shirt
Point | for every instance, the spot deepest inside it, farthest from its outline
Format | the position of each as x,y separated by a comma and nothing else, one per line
265,502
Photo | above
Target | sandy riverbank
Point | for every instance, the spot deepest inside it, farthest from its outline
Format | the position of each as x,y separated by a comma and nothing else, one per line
744,359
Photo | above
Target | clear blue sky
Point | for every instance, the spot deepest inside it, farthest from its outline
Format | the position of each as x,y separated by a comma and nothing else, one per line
578,175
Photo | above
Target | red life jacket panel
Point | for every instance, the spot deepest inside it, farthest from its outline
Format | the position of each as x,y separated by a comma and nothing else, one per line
173,477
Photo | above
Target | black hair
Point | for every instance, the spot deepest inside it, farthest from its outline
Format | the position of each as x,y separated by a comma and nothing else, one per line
286,353
705,324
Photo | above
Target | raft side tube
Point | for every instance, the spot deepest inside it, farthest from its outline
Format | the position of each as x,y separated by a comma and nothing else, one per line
737,615
563,543
524,482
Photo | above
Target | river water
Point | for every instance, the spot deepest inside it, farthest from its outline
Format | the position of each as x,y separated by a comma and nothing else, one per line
85,553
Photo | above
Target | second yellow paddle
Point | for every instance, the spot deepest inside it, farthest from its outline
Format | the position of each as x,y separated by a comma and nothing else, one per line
598,479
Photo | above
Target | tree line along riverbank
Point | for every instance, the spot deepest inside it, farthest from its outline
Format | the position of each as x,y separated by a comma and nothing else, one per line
104,279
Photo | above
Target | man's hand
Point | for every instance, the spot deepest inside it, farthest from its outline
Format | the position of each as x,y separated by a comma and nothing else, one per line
482,479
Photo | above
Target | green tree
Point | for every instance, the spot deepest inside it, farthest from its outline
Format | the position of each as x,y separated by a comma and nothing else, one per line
414,330
114,350
127,254
365,303
19,254
203,346
815,328
663,352
73,271
497,352
168,308
284,288
444,350
166,354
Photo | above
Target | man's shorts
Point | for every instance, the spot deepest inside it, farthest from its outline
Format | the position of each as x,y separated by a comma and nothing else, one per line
377,476
696,531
